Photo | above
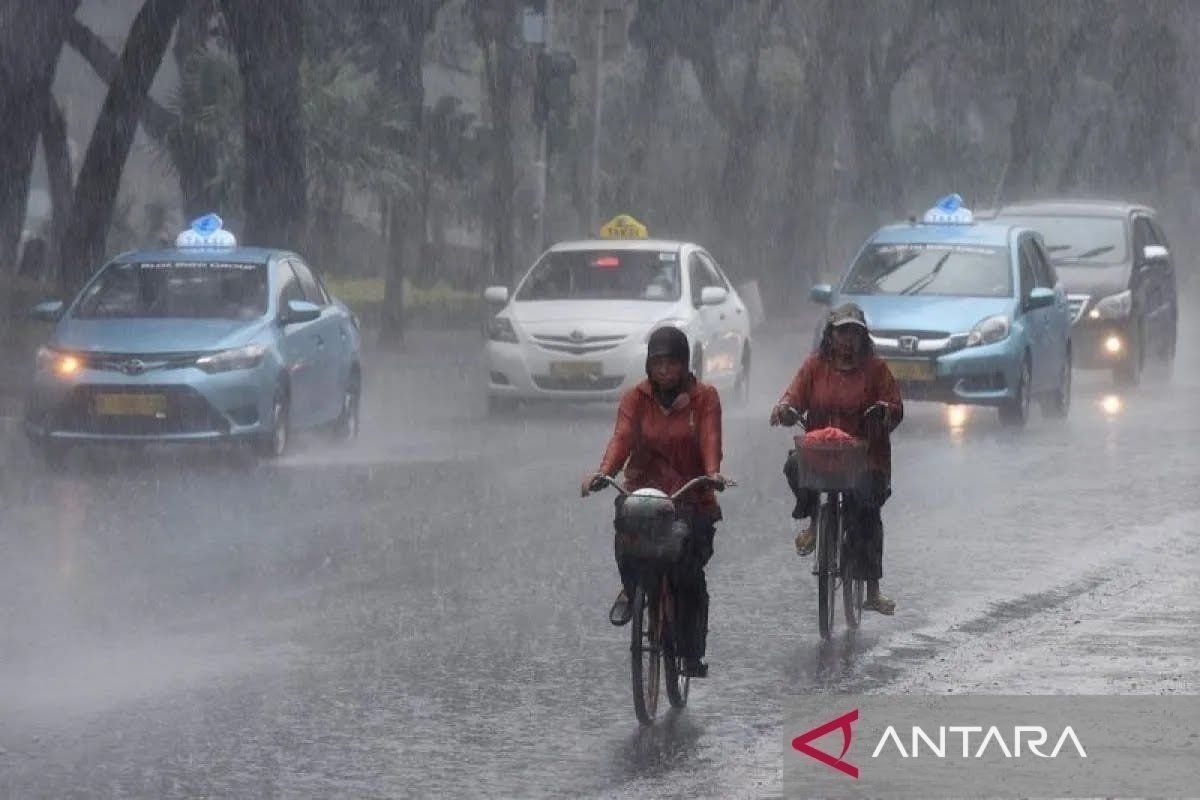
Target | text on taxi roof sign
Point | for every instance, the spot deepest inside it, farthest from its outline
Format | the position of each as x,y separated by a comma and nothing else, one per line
949,211
623,226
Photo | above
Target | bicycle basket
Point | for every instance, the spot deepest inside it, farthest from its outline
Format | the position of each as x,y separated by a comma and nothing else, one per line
829,465
647,528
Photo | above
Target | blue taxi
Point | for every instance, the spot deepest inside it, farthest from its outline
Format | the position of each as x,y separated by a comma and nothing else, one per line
965,312
203,342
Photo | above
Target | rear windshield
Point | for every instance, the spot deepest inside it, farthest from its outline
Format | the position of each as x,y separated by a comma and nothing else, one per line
604,275
949,270
1080,240
183,290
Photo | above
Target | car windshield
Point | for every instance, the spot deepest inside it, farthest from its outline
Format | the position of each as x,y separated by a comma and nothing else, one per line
951,270
604,275
182,290
1080,240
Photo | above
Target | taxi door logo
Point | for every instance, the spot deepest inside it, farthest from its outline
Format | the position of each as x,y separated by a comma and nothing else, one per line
843,723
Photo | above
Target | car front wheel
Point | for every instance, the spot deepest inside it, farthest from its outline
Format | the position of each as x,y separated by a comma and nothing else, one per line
273,443
1015,412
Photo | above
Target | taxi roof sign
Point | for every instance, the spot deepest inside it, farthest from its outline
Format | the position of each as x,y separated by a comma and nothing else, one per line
624,226
206,231
949,211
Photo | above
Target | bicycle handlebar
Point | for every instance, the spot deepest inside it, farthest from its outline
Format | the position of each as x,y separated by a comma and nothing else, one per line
687,487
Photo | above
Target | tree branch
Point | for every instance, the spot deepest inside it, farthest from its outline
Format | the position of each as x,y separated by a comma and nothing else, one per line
157,120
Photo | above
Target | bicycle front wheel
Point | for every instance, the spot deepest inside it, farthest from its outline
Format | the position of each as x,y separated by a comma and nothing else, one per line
646,652
828,520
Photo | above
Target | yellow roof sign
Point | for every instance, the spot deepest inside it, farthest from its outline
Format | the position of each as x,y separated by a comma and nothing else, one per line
623,226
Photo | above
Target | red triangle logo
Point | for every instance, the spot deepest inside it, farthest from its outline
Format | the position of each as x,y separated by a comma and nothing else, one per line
843,723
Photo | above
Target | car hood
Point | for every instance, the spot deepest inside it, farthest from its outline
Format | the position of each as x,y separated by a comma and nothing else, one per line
945,314
1097,281
630,312
154,335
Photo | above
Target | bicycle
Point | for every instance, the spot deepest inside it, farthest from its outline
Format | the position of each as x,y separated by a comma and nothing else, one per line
833,469
655,533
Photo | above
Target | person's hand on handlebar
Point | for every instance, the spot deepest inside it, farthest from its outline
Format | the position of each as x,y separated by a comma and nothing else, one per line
721,482
593,482
783,414
878,412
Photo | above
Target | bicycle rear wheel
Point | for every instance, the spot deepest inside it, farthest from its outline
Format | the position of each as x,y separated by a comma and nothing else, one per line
827,538
677,683
646,652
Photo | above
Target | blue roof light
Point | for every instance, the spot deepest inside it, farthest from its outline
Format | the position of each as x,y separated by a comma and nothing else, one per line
949,211
206,231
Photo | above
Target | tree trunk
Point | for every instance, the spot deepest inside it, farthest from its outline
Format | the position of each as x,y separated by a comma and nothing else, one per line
100,175
58,171
31,38
269,42
194,158
496,35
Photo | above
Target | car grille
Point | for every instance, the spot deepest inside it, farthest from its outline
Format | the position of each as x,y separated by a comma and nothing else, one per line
581,384
1076,303
187,412
579,346
138,363
889,342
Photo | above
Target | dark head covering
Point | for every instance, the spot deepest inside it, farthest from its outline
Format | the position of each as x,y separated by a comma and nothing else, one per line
671,342
848,314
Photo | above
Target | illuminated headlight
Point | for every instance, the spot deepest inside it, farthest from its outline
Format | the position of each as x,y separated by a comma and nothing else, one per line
1113,344
500,329
62,364
247,357
666,323
1115,306
989,331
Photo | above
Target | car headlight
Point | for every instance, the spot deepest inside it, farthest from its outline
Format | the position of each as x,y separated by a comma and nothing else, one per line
247,357
674,322
500,329
1115,306
62,364
989,331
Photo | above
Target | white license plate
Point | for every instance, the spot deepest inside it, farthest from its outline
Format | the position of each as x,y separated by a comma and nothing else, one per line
575,370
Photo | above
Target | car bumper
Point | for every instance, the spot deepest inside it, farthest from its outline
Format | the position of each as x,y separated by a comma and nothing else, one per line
197,406
1091,348
527,372
981,376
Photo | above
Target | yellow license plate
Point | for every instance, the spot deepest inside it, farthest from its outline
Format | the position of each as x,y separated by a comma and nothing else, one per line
912,370
574,370
131,405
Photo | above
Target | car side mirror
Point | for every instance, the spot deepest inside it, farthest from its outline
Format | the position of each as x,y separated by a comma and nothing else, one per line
821,294
713,295
1154,253
496,295
47,311
1040,297
298,311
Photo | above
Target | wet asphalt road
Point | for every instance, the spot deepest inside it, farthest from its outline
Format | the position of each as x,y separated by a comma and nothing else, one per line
423,614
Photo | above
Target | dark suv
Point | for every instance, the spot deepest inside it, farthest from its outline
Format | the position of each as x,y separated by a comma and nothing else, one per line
1115,265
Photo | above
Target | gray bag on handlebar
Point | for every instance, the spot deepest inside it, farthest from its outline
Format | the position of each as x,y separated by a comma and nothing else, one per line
648,528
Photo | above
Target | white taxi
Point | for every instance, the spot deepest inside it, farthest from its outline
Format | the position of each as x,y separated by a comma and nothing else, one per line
577,324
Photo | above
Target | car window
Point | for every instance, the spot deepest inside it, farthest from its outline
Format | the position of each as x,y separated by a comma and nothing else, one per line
604,275
1028,276
176,290
1159,235
1042,277
717,276
702,276
1080,240
931,269
288,284
1051,274
312,290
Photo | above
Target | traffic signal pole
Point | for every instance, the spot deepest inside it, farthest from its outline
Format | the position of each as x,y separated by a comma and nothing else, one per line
542,167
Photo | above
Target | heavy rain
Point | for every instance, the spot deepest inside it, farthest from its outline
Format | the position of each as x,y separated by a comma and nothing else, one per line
291,447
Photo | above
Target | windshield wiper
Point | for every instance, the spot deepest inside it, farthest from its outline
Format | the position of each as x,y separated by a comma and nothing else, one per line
928,278
1054,248
1095,251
